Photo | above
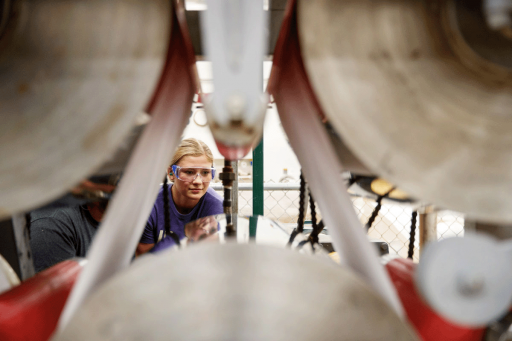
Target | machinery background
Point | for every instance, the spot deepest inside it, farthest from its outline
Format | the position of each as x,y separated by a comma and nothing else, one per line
417,93
392,224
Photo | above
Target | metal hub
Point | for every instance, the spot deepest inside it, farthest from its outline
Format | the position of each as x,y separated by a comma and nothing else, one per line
492,41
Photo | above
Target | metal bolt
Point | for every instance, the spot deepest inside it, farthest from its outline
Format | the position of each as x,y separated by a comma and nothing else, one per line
470,285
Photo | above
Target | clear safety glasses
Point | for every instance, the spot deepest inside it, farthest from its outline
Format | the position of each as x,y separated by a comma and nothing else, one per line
189,174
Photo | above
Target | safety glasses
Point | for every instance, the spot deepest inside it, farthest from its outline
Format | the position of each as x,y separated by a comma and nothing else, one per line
189,174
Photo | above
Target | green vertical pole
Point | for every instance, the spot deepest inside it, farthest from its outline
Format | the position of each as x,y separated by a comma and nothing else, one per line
253,226
257,179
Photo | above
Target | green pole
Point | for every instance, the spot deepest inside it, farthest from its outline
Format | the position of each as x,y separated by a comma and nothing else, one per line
253,226
257,179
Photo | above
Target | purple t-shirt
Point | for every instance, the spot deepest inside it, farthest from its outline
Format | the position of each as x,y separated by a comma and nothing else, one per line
209,204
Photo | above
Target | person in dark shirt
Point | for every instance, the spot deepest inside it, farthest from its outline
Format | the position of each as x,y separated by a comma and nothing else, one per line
64,232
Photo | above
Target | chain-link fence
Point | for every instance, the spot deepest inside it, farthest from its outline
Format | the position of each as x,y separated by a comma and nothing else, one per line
392,225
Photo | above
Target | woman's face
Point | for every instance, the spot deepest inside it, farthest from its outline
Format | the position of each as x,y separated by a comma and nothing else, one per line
192,191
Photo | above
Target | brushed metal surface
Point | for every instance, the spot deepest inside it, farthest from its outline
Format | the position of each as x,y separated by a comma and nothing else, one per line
235,292
73,77
413,101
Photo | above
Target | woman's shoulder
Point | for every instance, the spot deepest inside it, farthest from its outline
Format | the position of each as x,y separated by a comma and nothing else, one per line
211,193
213,203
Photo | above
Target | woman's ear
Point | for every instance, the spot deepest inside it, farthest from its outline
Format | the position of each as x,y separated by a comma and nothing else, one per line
170,174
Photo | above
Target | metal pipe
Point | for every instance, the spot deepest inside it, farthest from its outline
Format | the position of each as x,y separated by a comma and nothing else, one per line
246,186
228,176
234,197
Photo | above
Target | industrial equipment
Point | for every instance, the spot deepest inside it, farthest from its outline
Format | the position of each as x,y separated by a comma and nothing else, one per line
415,92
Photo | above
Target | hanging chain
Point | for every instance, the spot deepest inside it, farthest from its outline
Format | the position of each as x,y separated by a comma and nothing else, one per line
317,228
302,203
313,210
377,208
412,234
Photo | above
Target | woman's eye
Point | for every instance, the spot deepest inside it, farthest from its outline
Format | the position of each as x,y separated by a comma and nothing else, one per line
205,173
189,172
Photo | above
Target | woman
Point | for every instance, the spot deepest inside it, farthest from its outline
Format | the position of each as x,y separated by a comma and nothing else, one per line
187,199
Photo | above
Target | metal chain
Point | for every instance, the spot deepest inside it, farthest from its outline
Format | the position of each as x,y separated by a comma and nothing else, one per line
313,210
300,220
377,209
313,236
412,234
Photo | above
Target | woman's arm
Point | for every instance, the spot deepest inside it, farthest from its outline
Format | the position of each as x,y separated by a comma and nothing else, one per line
143,248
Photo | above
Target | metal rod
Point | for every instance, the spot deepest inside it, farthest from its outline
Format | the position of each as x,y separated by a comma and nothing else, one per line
234,198
228,176
246,186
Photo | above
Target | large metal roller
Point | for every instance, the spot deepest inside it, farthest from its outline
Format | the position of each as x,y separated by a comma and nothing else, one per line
235,292
73,76
421,92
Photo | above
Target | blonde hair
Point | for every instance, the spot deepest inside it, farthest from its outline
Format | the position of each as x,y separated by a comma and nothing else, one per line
192,147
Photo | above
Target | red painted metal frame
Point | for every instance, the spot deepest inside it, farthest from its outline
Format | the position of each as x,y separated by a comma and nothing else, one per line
177,86
289,83
30,311
429,325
